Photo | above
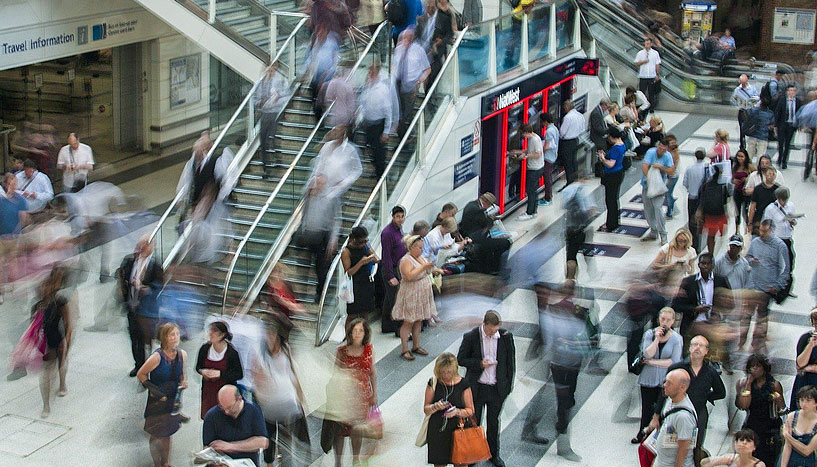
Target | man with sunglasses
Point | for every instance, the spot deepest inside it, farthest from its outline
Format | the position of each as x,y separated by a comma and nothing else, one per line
235,427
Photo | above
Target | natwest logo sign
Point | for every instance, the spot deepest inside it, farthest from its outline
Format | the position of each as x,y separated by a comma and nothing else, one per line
507,98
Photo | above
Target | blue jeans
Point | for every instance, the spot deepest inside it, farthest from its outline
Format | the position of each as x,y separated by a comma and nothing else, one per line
671,181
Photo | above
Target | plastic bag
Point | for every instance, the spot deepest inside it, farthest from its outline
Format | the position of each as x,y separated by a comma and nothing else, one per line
346,291
655,183
29,351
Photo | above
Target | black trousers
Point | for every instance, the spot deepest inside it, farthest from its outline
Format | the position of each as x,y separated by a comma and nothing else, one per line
488,396
317,243
531,185
692,207
649,397
137,340
612,185
564,380
406,111
647,86
785,134
568,147
269,126
373,131
742,116
387,324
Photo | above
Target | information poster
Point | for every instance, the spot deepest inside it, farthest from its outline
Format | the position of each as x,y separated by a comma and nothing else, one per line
185,80
794,26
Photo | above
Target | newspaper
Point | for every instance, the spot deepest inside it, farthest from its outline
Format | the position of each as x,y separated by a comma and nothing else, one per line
210,456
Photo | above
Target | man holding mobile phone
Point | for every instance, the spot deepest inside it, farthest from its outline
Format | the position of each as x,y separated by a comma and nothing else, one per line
696,294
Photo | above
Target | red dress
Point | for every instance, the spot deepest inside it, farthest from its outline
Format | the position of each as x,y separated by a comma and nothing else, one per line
361,367
210,387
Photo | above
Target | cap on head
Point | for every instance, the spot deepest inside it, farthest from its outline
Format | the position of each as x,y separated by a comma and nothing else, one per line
736,240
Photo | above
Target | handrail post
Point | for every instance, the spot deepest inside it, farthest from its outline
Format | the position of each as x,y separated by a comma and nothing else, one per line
492,52
291,61
421,139
212,13
552,45
384,207
605,76
455,80
273,34
591,51
577,22
523,56
250,122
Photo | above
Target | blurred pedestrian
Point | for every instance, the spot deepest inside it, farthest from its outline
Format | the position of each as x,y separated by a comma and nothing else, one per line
278,393
409,10
324,53
164,377
579,212
550,148
768,257
280,295
742,168
359,260
488,354
694,178
805,360
57,329
761,396
140,276
744,97
411,68
759,122
270,98
218,364
340,95
34,186
76,160
672,180
393,250
711,213
414,302
448,397
376,114
13,208
660,348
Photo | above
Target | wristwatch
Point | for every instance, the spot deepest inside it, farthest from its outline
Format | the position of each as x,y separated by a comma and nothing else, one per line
746,393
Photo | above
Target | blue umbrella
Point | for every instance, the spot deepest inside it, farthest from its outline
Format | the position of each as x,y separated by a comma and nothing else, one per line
807,115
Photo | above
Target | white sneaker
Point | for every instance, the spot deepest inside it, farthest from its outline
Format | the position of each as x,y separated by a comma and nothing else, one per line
525,217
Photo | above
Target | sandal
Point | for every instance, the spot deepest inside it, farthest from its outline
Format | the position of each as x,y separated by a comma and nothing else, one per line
407,355
419,351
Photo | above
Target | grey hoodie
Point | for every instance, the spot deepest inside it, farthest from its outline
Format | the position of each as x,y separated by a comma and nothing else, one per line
772,268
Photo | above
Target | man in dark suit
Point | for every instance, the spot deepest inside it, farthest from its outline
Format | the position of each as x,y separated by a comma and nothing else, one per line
139,275
488,354
696,295
488,254
474,219
785,117
598,127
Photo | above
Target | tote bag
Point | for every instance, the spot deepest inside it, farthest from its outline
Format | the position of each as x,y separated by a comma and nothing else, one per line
655,183
346,291
423,433
469,445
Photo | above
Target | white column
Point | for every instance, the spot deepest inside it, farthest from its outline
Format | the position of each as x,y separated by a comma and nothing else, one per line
273,35
577,32
523,56
212,11
552,31
492,51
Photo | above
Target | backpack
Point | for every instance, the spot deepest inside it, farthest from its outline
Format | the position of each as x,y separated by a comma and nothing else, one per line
751,124
766,94
713,198
397,13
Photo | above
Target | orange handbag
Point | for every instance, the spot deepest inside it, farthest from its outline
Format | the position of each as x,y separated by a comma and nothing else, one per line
469,445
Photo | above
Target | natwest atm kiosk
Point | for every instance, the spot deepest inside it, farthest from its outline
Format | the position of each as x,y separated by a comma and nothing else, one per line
506,110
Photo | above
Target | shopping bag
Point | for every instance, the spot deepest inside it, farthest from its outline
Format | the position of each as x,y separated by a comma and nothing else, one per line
655,183
346,291
422,434
29,351
469,445
372,428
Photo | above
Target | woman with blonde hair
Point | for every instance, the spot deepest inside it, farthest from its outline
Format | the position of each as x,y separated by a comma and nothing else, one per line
163,375
720,151
415,298
447,396
678,253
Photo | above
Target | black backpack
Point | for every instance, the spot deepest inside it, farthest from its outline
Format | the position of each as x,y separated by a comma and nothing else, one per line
766,94
713,198
397,14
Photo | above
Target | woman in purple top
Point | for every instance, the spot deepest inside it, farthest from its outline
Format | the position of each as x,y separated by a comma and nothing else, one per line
392,249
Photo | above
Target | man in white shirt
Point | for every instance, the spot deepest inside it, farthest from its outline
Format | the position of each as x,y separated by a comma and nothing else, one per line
76,160
270,97
376,116
34,186
744,97
648,62
756,178
573,125
408,75
781,212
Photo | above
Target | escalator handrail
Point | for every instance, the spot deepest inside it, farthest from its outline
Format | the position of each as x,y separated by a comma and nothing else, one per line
235,162
319,339
244,303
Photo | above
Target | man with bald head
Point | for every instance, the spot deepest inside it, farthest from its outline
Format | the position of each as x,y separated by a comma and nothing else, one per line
705,384
677,423
235,427
76,160
744,97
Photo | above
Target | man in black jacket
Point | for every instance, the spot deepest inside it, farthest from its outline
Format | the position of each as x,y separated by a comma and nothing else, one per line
696,295
488,254
598,127
785,118
139,275
474,219
487,352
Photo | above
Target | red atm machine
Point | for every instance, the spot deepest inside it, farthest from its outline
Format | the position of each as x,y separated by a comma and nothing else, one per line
506,110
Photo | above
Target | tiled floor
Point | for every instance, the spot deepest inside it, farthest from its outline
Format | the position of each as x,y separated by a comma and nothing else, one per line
100,421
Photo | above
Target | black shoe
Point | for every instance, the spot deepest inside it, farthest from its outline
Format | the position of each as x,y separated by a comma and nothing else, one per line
639,437
133,372
532,436
497,461
105,278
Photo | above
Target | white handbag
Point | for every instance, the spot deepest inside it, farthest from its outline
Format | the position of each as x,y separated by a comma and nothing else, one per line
423,433
655,183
